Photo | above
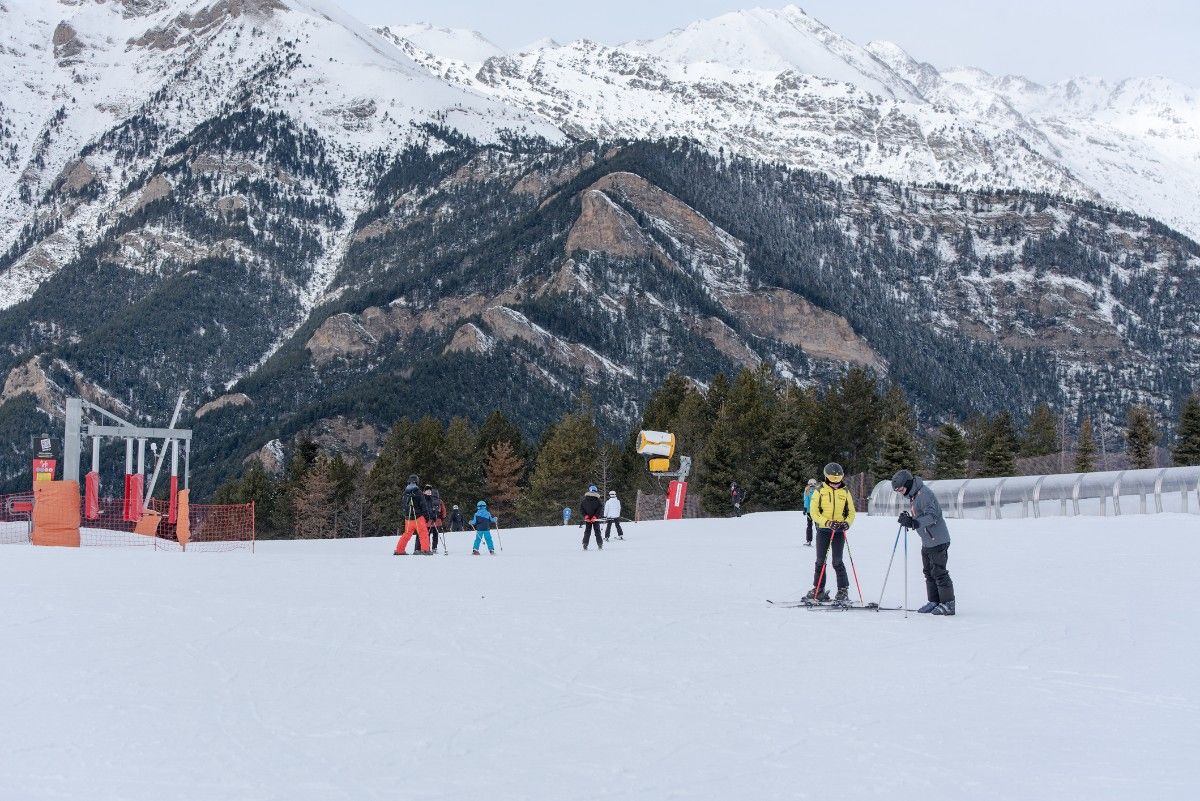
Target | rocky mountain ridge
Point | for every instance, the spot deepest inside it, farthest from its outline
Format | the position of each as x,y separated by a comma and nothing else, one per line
316,228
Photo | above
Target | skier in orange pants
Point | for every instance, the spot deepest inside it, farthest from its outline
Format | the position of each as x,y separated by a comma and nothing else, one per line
416,508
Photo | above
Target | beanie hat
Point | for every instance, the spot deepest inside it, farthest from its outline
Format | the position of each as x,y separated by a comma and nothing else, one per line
592,488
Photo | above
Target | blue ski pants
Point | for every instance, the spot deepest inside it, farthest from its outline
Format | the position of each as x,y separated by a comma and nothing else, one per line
483,535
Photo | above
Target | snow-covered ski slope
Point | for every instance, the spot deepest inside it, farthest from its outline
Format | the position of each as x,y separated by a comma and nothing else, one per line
651,670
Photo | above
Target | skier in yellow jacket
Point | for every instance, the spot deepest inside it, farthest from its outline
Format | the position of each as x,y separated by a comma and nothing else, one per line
832,509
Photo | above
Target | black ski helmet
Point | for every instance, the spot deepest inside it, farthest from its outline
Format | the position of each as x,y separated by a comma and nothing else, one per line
834,472
413,479
903,478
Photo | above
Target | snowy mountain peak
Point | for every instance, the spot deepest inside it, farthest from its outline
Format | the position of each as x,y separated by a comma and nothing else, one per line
457,44
777,40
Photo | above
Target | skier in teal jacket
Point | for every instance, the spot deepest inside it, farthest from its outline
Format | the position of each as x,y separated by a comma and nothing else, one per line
482,522
808,494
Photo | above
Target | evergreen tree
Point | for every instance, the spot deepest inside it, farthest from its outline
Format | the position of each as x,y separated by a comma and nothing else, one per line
504,471
1000,458
256,487
1141,437
497,427
899,452
1085,452
565,467
1041,433
428,447
313,503
849,422
348,496
735,443
461,465
1187,437
950,453
388,476
978,435
662,408
786,463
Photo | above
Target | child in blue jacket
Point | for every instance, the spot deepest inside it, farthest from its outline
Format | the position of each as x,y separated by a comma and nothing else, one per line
482,522
808,494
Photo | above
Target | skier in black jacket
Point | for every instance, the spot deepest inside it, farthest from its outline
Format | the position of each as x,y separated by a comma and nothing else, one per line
456,519
415,510
737,496
591,507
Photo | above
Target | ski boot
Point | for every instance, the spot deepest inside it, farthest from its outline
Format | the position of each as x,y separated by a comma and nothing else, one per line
493,553
475,552
842,597
400,553
620,536
944,609
927,608
815,597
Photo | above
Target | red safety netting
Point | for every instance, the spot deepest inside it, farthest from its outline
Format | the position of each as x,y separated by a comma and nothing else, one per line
199,527
16,514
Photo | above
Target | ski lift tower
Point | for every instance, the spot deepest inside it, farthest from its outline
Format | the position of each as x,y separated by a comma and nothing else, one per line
137,494
660,446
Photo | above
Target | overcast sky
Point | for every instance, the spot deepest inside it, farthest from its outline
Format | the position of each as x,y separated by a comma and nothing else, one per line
1046,40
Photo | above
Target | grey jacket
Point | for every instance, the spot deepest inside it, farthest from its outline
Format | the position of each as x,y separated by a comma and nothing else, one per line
928,513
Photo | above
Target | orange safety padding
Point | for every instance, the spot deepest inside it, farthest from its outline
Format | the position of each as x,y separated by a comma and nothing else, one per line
147,524
183,526
56,513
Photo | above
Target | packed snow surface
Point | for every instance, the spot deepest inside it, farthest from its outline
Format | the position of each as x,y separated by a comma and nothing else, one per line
653,669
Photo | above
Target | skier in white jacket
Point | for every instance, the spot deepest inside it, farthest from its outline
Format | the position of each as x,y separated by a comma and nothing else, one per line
612,513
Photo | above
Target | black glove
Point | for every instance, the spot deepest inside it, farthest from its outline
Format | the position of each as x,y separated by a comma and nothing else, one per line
907,520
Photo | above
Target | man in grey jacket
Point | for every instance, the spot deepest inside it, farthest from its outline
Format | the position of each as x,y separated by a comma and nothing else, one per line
925,517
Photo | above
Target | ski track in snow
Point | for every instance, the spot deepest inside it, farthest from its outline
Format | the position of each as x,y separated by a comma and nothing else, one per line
653,669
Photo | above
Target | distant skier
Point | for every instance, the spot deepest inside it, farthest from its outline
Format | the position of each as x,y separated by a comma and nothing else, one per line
566,515
456,519
808,526
925,516
482,522
416,513
436,514
737,496
590,508
612,513
832,508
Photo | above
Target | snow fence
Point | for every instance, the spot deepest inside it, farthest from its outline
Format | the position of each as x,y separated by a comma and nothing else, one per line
1114,492
56,515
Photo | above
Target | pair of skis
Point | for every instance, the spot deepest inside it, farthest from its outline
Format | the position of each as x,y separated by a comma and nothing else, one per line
839,606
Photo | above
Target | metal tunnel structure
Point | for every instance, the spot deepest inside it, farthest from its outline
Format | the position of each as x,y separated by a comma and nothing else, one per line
1116,492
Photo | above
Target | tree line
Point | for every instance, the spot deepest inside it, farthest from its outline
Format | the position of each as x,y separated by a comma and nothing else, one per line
768,434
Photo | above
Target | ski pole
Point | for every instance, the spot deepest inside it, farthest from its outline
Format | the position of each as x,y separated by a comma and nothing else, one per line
889,569
905,573
853,569
445,548
499,541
